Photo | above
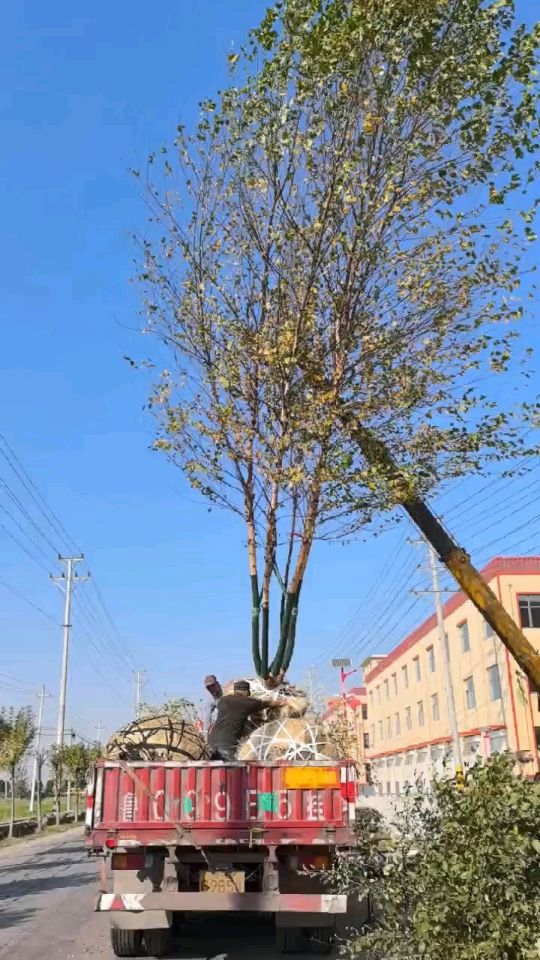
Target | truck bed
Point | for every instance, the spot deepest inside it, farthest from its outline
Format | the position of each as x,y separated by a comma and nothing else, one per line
205,804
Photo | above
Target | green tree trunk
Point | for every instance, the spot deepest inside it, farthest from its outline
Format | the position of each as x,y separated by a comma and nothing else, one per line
255,646
38,796
291,603
291,634
57,795
265,628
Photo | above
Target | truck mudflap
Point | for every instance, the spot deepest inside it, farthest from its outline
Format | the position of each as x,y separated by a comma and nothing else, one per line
224,902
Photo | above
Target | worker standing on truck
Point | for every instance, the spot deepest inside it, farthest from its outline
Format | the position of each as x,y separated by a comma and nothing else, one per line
233,711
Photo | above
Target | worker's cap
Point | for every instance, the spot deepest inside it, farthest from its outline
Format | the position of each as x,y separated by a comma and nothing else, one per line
210,680
241,686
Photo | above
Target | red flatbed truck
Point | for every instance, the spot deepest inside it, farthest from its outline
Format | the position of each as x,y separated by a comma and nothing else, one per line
175,838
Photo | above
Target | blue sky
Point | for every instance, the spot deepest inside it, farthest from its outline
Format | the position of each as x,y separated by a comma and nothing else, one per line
84,97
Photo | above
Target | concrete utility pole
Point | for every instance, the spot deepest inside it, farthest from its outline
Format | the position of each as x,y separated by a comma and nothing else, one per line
449,688
139,682
41,697
66,581
99,732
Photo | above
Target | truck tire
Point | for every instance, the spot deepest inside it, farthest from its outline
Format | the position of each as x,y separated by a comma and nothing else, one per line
126,943
290,940
157,942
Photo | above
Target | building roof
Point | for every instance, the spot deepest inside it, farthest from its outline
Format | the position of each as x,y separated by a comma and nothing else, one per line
518,566
355,697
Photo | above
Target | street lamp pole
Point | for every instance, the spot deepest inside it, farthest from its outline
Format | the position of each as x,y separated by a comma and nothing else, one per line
343,662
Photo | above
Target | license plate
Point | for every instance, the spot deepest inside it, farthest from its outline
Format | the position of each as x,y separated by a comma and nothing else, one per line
221,881
310,778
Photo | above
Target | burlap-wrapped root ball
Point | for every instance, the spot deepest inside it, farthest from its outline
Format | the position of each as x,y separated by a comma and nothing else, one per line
156,738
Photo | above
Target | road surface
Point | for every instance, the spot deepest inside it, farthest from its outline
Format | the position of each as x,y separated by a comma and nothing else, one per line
47,890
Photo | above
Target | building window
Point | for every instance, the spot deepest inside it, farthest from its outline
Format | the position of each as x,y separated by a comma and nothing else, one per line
405,677
408,718
409,759
529,610
470,698
372,734
463,629
398,788
397,724
420,713
388,787
435,706
417,673
431,659
371,699
386,689
364,711
487,630
378,694
499,742
380,730
389,727
494,682
394,682
366,741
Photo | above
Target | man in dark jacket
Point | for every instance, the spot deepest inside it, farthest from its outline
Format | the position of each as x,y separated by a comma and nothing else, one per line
233,711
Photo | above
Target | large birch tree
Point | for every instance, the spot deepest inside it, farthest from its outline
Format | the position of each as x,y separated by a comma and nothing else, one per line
346,225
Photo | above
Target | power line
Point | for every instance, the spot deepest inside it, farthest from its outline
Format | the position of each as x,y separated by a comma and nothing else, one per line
100,650
21,596
25,550
11,686
96,614
105,609
98,671
496,514
517,468
54,523
24,532
348,633
94,618
509,533
372,593
14,498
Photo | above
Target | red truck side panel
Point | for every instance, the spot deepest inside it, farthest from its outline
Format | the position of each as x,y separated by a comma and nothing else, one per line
217,797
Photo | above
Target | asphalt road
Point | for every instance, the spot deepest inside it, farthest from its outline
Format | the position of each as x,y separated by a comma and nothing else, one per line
47,890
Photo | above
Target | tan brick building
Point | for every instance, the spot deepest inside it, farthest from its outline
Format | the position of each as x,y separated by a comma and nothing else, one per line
407,726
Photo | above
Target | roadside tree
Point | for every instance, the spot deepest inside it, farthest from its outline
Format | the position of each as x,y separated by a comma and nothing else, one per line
75,760
55,760
17,730
459,877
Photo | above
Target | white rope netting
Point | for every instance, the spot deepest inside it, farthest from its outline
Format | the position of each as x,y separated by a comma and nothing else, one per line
287,739
296,700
